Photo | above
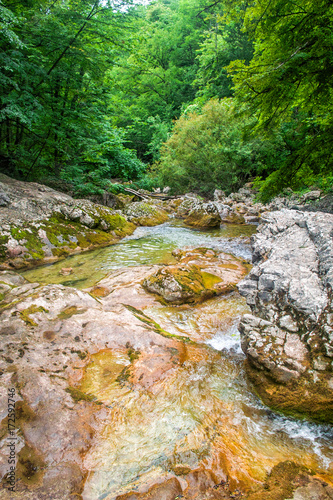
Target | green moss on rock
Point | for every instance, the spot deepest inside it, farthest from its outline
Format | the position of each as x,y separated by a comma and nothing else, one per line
68,312
300,398
33,309
58,237
145,214
180,284
78,395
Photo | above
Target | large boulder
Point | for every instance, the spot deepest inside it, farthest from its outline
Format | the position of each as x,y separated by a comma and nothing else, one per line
41,225
288,338
203,215
188,203
201,274
143,213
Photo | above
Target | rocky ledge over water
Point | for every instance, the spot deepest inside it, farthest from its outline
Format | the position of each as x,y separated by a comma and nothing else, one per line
288,338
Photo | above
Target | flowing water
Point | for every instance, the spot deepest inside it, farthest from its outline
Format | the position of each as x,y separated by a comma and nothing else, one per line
204,413
148,245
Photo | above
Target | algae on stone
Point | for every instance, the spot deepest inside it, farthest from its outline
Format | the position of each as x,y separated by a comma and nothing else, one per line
145,214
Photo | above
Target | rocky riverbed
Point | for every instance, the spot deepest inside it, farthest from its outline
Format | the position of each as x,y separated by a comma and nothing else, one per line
136,387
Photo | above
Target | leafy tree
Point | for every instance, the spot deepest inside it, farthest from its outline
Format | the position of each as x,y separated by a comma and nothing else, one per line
289,81
209,149
222,43
54,108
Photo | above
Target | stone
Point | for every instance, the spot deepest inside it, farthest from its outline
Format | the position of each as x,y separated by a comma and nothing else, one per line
142,213
48,337
41,225
4,199
200,274
233,218
290,481
311,195
289,287
65,271
203,215
219,195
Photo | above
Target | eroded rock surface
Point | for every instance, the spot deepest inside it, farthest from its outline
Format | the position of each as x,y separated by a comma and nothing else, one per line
49,334
40,225
288,339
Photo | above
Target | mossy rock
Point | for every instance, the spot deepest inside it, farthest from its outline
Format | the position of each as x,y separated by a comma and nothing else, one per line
56,238
300,398
234,218
146,214
33,309
203,215
181,284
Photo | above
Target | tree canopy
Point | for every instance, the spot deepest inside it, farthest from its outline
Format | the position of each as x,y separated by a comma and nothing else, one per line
98,90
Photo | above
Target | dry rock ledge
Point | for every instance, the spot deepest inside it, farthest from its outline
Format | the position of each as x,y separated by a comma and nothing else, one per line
288,338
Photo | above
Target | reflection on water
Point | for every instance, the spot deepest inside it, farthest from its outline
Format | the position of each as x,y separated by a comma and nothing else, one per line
147,245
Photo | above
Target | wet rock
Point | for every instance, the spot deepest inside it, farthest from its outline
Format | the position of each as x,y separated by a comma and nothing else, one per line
290,481
200,274
142,213
203,215
233,218
42,225
288,339
49,334
168,490
65,271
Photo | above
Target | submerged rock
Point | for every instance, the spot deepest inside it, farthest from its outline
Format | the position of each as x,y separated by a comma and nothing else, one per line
42,225
49,336
291,481
288,339
200,275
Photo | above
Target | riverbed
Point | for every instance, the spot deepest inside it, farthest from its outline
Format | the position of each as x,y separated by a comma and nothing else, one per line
204,413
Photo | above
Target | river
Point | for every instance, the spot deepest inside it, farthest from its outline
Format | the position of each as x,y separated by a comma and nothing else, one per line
205,413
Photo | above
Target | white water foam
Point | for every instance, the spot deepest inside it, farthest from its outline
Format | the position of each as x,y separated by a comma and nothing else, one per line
227,340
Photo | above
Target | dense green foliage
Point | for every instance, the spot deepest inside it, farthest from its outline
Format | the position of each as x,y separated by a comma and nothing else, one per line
197,94
55,58
289,84
210,149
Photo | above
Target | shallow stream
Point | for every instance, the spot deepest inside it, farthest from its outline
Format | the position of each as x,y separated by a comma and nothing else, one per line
205,412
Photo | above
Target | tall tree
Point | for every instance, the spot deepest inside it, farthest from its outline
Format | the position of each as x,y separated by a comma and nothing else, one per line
290,79
54,108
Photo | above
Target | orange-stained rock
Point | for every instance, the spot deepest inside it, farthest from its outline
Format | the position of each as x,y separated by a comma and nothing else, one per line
200,275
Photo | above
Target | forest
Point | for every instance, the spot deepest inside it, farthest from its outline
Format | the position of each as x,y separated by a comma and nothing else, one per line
191,94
